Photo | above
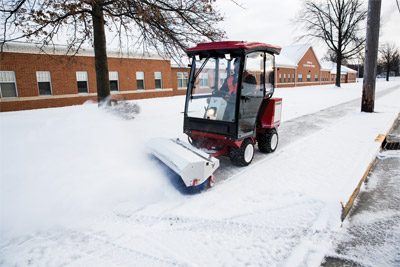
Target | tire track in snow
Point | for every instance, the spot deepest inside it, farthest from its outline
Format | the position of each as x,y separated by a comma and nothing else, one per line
292,235
126,255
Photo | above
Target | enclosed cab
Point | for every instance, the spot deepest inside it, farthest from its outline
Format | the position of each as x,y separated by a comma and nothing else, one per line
229,97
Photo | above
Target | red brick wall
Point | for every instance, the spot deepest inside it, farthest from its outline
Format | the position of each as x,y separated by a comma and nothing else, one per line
63,79
44,103
285,71
352,77
325,77
308,65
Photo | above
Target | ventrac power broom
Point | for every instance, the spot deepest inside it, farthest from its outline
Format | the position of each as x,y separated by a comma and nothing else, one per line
229,108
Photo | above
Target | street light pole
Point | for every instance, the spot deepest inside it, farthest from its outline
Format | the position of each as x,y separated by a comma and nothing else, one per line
371,55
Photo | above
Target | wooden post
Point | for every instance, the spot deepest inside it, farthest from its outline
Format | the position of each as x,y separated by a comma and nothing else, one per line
371,54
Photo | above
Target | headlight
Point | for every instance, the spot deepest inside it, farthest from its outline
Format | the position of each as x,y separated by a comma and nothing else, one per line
210,114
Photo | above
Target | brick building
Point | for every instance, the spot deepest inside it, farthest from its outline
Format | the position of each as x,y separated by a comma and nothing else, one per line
298,65
30,80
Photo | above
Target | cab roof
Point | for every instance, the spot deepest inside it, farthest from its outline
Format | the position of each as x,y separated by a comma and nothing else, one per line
236,47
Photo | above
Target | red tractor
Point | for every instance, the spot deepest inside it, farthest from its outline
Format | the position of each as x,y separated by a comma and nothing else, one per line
229,108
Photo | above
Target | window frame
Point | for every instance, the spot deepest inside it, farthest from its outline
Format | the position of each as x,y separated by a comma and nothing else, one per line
15,83
300,78
39,78
112,75
140,79
79,74
155,80
182,76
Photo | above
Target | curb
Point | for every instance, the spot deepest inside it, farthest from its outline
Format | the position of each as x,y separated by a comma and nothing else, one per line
346,208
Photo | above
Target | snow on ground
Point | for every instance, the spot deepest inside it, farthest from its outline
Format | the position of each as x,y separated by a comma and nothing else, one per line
78,187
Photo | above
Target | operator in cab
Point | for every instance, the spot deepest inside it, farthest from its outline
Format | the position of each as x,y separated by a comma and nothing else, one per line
229,87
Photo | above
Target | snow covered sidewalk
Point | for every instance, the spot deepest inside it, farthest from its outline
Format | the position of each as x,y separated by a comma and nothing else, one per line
79,203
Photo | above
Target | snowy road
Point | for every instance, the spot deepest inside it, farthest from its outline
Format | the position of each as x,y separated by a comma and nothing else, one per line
281,211
300,127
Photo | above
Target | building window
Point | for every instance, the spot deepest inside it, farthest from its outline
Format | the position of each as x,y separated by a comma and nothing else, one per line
158,80
182,79
44,82
222,77
284,78
82,80
308,77
300,78
113,76
316,78
140,80
7,84
280,78
203,79
292,78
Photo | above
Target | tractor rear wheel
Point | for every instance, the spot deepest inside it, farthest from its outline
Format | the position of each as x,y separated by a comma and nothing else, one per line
268,141
243,155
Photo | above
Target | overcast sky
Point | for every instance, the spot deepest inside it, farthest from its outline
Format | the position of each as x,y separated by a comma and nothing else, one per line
269,21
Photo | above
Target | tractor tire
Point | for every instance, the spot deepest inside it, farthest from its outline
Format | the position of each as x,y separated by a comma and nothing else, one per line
268,141
243,155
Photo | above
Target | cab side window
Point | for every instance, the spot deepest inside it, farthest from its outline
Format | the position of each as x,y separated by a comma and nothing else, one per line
252,76
269,74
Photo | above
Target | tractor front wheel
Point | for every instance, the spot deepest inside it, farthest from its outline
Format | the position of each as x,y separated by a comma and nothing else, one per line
268,141
243,155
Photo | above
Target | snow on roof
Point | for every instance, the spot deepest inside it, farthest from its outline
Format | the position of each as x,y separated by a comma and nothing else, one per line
57,49
291,55
331,66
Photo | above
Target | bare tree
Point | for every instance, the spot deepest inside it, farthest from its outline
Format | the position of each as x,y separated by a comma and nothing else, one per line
332,56
389,58
337,23
164,26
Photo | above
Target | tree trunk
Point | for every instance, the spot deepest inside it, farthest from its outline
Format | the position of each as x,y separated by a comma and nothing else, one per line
387,73
371,55
100,53
338,70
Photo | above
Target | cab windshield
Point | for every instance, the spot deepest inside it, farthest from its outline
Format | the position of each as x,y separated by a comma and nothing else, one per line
213,93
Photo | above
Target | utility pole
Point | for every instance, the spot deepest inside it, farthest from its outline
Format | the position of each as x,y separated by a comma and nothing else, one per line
371,55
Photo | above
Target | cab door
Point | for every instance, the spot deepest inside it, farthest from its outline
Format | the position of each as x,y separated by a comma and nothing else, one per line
251,93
